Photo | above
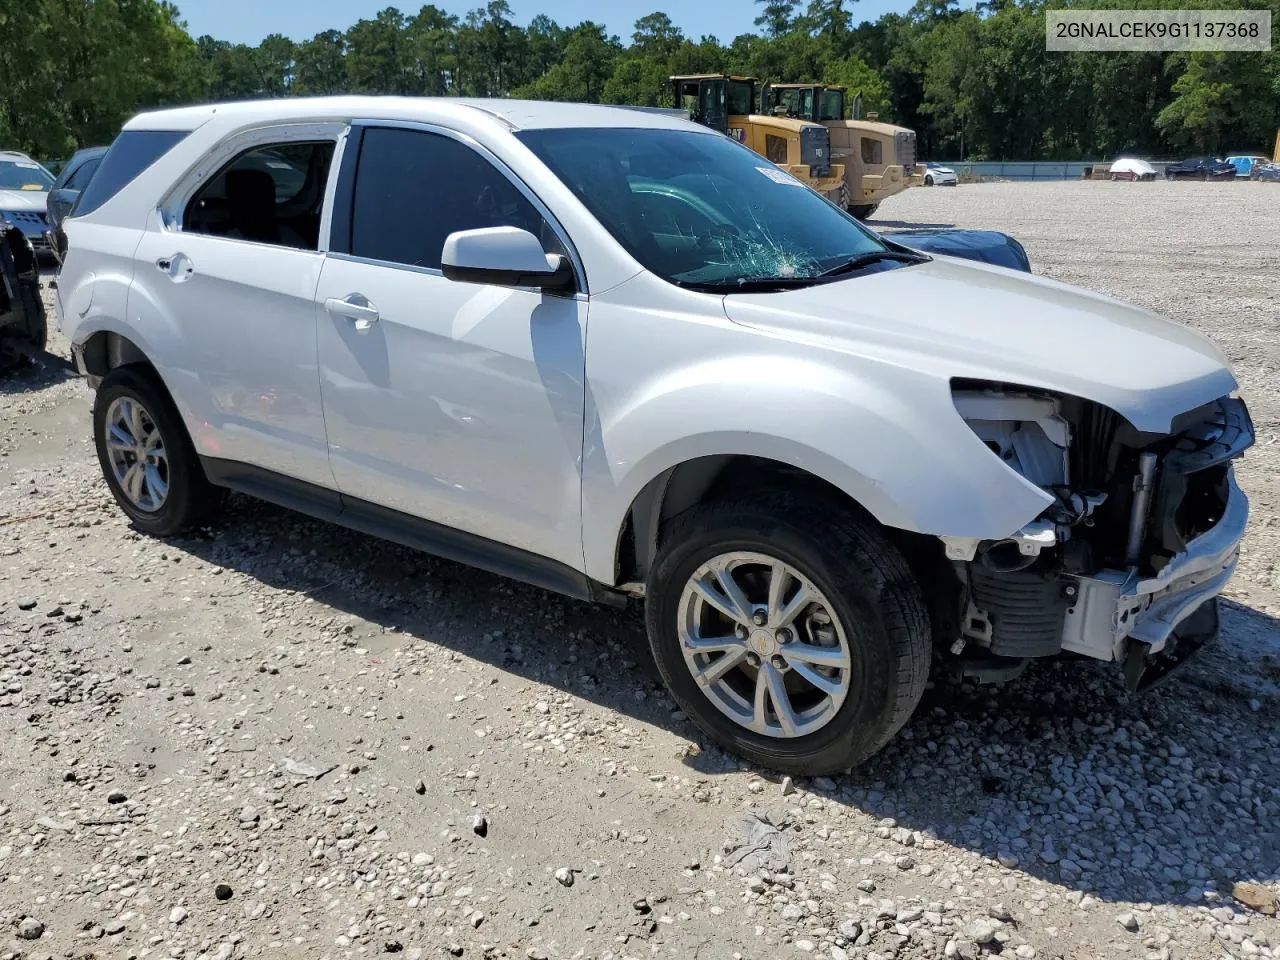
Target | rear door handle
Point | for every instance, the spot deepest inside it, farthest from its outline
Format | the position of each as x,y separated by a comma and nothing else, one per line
354,307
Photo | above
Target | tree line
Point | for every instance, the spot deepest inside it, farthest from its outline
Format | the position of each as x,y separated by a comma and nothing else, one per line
974,84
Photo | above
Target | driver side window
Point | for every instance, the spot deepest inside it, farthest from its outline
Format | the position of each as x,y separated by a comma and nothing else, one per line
413,189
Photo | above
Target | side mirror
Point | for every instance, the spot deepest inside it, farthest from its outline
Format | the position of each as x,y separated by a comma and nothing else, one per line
59,204
505,256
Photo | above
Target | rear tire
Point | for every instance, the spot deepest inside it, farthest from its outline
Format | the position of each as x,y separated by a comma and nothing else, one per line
864,210
871,617
147,458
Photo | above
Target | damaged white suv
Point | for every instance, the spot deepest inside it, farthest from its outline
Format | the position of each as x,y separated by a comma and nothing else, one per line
614,354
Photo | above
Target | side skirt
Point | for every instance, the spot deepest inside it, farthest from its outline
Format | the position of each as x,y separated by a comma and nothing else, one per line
403,528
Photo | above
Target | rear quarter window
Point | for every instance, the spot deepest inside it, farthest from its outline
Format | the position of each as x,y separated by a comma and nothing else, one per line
131,153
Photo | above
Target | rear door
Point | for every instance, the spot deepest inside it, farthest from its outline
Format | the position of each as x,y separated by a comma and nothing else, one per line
232,267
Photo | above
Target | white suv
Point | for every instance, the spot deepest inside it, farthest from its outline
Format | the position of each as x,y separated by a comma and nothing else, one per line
612,353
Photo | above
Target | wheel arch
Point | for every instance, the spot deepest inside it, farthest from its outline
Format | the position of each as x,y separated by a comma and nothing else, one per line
108,349
697,479
103,351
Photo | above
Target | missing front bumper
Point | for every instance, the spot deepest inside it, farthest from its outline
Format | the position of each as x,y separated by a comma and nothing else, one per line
1115,609
1144,669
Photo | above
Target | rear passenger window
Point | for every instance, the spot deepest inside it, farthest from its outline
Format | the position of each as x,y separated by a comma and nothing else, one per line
130,153
272,194
413,189
82,174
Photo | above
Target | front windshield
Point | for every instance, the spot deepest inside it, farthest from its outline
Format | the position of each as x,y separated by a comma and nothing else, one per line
23,175
700,209
831,105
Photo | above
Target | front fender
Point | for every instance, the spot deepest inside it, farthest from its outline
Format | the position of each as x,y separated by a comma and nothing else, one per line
889,437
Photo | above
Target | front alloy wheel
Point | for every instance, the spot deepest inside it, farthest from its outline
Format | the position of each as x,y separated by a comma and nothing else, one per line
788,627
763,643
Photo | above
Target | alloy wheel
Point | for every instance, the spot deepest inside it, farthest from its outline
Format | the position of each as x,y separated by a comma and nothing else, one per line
764,645
137,454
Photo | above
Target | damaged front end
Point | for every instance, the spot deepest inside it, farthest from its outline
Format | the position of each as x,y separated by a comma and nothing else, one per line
23,323
1127,562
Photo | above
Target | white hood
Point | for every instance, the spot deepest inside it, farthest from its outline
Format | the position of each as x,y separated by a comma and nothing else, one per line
956,318
35,200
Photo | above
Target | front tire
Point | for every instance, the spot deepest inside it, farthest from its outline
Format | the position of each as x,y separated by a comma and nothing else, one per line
928,181
146,456
789,629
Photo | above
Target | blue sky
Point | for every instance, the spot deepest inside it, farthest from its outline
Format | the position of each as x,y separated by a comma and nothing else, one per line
248,21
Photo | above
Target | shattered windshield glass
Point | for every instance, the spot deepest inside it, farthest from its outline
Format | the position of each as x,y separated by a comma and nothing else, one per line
700,209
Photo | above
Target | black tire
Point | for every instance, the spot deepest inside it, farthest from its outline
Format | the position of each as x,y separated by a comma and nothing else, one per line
191,500
863,210
37,321
870,588
928,180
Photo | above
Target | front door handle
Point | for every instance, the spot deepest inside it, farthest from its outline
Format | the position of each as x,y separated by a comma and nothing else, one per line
356,308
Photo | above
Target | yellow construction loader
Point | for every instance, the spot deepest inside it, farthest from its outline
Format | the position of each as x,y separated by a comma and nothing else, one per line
800,147
879,159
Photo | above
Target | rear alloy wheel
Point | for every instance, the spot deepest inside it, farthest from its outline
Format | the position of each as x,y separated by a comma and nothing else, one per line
139,461
788,629
146,456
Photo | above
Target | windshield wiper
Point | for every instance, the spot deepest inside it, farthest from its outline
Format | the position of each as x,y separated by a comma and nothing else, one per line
866,259
747,284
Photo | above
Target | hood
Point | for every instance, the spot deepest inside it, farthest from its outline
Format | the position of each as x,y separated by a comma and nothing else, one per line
24,200
934,169
955,318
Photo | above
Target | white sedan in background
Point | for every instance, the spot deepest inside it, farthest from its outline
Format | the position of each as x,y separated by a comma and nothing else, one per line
940,176
1131,168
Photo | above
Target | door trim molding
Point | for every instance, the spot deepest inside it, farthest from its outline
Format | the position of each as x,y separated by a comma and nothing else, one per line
405,529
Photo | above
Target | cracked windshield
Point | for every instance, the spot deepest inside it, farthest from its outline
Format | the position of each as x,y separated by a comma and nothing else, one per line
702,211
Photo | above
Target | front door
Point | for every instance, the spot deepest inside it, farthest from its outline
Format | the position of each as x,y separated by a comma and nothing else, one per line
457,403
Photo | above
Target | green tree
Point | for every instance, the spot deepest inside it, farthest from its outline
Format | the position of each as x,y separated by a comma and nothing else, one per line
1221,101
376,56
320,65
276,60
776,17
828,18
430,44
655,35
588,62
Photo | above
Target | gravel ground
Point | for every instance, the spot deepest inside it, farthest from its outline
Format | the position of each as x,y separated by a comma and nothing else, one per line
284,740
